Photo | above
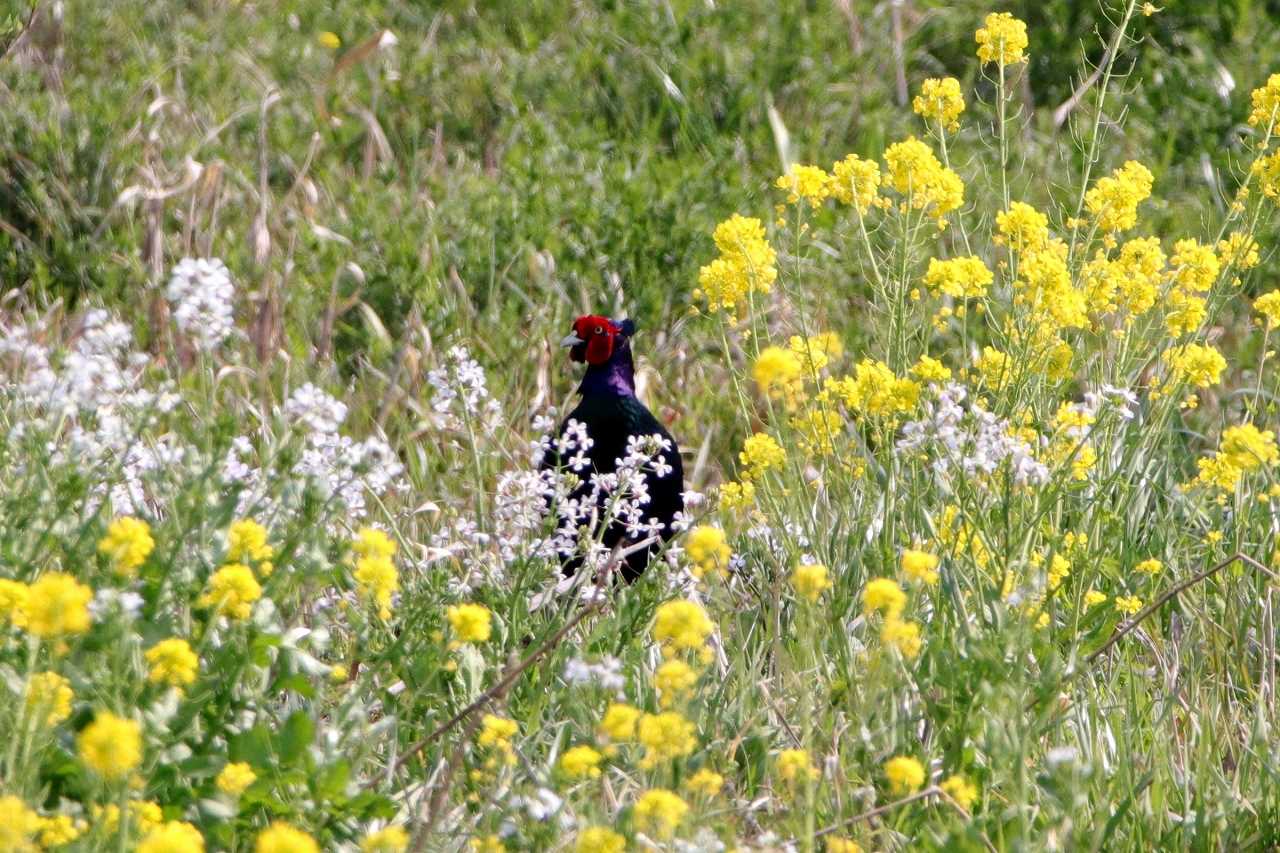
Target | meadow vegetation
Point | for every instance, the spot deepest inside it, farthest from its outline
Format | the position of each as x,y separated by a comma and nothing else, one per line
961,317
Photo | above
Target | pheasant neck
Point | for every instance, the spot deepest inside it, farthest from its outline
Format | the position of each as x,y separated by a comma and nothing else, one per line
614,378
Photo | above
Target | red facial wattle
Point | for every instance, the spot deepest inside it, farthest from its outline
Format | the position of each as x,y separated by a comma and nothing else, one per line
600,335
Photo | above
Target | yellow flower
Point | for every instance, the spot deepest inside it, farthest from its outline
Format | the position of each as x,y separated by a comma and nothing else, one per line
146,816
487,844
760,453
234,778
901,635
580,762
810,183
940,100
883,595
496,734
1238,250
18,826
705,782
874,390
329,41
111,745
231,591
1023,228
659,813
837,844
1128,604
619,721
1003,39
816,351
172,837
471,623
795,766
928,369
127,544
378,580
920,565
674,680
737,495
664,736
172,662
49,698
1266,103
746,264
1248,448
855,181
1196,264
57,604
1150,567
280,837
961,790
1093,598
247,540
55,831
599,839
1198,364
778,374
817,429
915,172
681,625
958,278
1114,199
1268,305
13,602
707,550
810,580
905,774
392,839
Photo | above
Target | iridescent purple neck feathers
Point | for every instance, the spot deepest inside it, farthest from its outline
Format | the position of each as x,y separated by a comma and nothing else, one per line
614,378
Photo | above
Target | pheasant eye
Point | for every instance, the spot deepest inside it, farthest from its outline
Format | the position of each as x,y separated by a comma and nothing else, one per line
599,330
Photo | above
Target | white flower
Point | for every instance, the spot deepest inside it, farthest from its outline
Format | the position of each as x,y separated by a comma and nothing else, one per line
202,297
316,409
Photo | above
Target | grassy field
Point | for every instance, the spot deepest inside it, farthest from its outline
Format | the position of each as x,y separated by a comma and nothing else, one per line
975,408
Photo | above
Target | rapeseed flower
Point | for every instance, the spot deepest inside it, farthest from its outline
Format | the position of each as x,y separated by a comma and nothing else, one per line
619,722
961,790
674,680
580,762
883,595
280,837
839,844
470,623
928,369
760,453
1199,365
664,737
959,278
1022,228
708,551
746,264
496,734
737,495
1128,604
175,836
599,839
235,777
18,825
874,390
794,766
920,565
705,783
916,173
902,635
1150,567
231,591
247,540
905,774
659,812
390,839
810,580
1114,199
172,662
856,182
1266,105
940,100
111,746
13,602
127,544
48,698
779,374
681,625
57,604
810,183
1002,39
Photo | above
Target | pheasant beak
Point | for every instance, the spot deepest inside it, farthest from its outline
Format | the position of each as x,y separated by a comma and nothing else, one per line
571,341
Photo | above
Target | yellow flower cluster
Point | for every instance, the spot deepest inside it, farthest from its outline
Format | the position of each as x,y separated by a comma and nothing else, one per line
1199,365
1002,39
470,623
708,551
375,574
961,790
664,736
1268,305
172,662
885,596
660,812
920,566
57,604
1196,268
599,839
49,698
874,390
1266,106
682,625
810,580
172,837
389,839
280,837
1114,199
816,351
856,182
959,278
760,453
737,495
235,777
1243,449
746,264
1128,283
809,183
794,767
941,101
705,783
111,746
674,680
817,428
231,591
1022,227
779,374
247,542
580,762
496,734
905,774
929,186
127,544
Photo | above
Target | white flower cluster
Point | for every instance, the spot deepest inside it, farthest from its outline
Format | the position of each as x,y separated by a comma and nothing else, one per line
606,674
202,299
969,441
90,404
461,394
